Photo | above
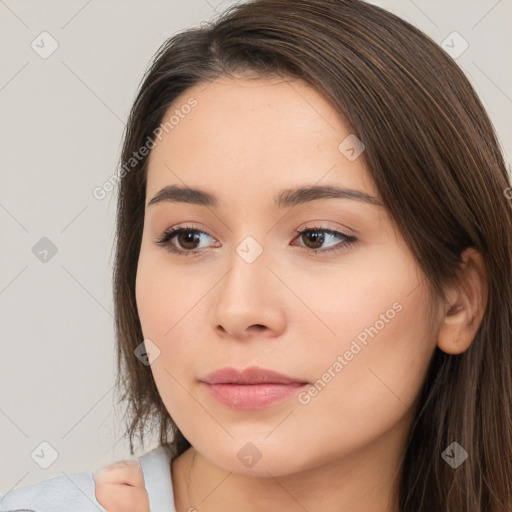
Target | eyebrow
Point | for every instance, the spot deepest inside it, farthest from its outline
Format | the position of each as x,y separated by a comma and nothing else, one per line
286,198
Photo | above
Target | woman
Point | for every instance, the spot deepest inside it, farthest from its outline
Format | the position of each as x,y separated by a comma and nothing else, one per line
314,241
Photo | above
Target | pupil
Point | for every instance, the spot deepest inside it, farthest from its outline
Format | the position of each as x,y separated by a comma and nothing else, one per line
318,237
189,238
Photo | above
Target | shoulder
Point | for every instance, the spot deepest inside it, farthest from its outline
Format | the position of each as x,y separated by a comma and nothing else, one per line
60,494
76,492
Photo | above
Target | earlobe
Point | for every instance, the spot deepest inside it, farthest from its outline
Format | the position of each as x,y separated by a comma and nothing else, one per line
454,337
465,306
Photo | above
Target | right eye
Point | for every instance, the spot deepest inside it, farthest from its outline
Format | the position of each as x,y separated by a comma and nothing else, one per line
186,236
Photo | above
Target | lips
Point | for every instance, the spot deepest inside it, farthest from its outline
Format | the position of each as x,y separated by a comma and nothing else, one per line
251,375
252,388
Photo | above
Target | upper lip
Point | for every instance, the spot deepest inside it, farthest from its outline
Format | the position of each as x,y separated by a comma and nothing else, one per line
251,375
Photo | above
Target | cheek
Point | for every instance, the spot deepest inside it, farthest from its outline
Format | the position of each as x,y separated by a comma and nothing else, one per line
158,293
167,306
372,365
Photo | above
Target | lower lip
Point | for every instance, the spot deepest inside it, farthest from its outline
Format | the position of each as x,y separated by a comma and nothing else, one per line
252,396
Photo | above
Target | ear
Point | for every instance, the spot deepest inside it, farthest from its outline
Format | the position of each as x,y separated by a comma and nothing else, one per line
466,304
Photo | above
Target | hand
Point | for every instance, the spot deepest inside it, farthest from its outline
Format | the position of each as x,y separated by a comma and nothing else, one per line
120,487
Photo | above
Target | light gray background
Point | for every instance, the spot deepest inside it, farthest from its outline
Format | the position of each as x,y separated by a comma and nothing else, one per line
61,124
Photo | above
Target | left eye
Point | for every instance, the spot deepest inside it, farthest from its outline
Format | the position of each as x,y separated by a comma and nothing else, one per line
318,236
188,237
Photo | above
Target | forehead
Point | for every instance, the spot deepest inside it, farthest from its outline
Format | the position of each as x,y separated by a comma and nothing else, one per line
251,136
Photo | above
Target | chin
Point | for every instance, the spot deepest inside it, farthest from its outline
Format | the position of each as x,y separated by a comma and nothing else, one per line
255,459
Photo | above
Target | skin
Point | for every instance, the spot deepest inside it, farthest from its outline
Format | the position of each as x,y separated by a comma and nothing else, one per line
289,310
120,487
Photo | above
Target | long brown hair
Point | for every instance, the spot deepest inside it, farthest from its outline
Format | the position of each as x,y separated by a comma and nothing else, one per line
436,161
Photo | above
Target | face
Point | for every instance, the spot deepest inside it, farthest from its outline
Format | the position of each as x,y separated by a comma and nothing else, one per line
341,307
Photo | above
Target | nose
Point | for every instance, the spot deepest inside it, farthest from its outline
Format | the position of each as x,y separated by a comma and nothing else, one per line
248,301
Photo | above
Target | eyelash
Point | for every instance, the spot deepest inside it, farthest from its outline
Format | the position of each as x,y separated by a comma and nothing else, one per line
169,234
